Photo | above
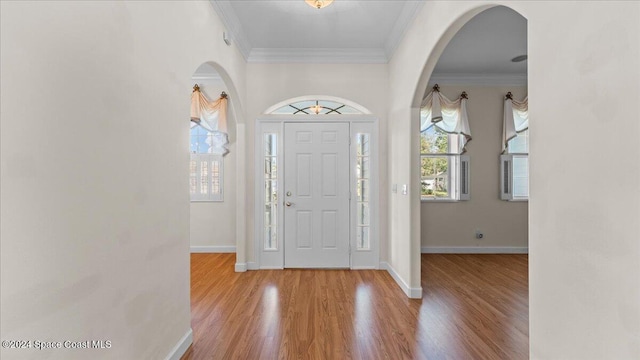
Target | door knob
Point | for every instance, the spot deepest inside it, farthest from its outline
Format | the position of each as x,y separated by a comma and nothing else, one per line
288,203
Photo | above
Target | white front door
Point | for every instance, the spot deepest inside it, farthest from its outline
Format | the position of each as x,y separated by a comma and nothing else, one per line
316,195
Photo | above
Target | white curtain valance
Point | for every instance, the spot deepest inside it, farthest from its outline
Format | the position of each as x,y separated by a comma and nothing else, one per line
449,116
516,119
212,116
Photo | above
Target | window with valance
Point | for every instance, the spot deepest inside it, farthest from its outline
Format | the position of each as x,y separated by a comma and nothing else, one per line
514,161
209,143
444,134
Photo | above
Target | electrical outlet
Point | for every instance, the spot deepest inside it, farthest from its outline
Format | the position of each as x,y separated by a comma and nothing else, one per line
479,234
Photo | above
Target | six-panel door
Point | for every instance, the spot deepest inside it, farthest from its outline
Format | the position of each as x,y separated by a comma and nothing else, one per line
316,195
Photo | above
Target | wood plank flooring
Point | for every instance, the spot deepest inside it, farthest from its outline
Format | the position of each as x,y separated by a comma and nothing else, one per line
473,307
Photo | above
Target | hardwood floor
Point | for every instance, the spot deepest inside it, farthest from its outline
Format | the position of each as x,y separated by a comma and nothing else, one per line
473,307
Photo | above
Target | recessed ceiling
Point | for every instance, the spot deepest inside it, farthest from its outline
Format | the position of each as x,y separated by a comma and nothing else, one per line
291,30
485,46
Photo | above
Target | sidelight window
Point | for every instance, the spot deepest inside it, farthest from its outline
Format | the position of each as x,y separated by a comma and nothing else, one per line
270,191
363,190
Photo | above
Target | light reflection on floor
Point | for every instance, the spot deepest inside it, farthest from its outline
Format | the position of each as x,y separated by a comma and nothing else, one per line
363,316
472,308
271,311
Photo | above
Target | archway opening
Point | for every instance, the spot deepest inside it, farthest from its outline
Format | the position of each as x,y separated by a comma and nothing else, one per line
463,176
217,204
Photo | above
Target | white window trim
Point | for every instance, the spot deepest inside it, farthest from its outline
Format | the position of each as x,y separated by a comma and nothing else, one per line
365,258
335,99
456,187
210,197
506,168
506,178
464,179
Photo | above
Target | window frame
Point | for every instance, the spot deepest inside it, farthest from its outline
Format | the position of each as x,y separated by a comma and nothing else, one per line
506,165
210,196
210,159
315,106
455,178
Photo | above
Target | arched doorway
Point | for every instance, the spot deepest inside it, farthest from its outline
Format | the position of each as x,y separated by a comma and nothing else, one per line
218,219
406,231
479,68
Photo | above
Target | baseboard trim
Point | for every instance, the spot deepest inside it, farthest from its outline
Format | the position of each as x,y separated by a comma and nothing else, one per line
181,347
364,268
241,267
474,250
252,266
412,293
213,249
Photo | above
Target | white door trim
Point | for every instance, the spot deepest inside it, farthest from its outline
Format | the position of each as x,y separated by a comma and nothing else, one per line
274,259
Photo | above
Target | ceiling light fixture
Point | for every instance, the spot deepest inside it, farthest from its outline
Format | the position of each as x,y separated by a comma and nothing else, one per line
519,58
318,4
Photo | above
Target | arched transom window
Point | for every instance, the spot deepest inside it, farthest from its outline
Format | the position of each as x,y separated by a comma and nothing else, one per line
316,107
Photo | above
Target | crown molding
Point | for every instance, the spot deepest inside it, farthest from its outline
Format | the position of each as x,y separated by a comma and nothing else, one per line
478,79
232,24
318,56
404,21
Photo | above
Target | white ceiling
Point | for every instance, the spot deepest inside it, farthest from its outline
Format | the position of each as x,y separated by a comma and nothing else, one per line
354,31
291,30
485,46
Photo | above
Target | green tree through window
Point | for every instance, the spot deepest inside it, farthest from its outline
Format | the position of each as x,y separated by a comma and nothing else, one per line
435,175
